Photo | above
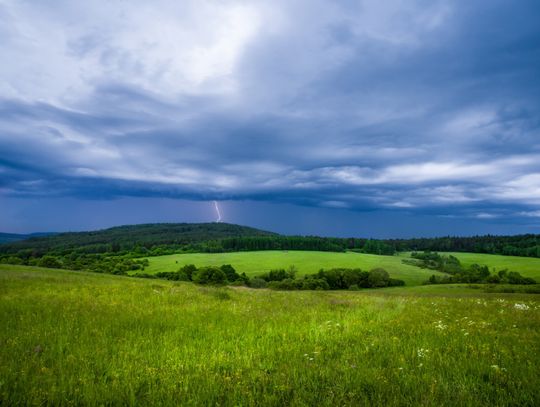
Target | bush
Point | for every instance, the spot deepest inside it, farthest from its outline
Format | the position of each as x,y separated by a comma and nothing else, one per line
493,279
341,279
394,282
279,275
188,270
12,260
230,272
210,275
173,275
378,277
311,283
516,278
257,282
287,284
50,262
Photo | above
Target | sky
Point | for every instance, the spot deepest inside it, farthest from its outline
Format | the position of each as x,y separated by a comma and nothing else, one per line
338,118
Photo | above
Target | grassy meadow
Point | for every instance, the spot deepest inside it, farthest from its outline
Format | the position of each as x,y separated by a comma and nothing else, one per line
309,262
527,266
75,338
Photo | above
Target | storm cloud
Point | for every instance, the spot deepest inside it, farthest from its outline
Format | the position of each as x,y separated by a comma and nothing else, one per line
429,107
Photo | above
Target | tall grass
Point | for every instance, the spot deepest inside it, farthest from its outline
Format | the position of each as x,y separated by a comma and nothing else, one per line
71,338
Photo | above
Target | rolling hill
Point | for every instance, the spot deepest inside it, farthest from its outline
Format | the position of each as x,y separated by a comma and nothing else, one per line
135,235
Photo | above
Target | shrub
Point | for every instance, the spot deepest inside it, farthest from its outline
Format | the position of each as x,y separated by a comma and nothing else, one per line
257,282
378,277
333,277
340,279
394,282
354,277
310,283
493,279
230,272
50,262
210,275
286,284
278,275
516,278
172,275
12,260
188,270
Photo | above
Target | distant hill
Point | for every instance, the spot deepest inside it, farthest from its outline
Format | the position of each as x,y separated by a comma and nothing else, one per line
15,237
122,237
167,238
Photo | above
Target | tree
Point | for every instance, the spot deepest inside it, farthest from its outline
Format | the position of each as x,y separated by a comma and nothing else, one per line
50,262
230,272
378,277
188,270
210,275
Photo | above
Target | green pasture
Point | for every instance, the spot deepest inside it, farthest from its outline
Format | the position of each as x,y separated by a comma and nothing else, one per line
527,266
309,262
75,338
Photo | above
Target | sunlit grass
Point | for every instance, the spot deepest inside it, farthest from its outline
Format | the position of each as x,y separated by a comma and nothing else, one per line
307,262
527,266
80,338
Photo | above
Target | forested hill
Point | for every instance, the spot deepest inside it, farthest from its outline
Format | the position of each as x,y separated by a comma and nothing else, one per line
518,245
166,238
123,238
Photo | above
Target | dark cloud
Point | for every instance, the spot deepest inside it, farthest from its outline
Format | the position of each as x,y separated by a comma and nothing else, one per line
426,108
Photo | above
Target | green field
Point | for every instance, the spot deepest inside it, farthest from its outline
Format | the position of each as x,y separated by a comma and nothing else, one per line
75,338
527,266
308,262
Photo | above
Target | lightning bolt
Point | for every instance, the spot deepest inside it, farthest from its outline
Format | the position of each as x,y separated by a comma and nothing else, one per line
217,211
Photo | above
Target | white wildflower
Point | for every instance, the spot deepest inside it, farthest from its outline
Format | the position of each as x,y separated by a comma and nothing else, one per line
441,326
522,307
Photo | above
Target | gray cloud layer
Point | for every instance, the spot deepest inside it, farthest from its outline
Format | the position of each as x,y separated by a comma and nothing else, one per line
423,106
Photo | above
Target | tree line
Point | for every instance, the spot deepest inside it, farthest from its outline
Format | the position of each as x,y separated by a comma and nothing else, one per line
118,250
281,279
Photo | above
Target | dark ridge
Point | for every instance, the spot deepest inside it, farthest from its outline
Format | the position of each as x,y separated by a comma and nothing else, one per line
128,236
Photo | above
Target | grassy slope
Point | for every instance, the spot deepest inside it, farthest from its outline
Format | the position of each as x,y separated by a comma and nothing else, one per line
527,266
253,263
307,262
101,339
